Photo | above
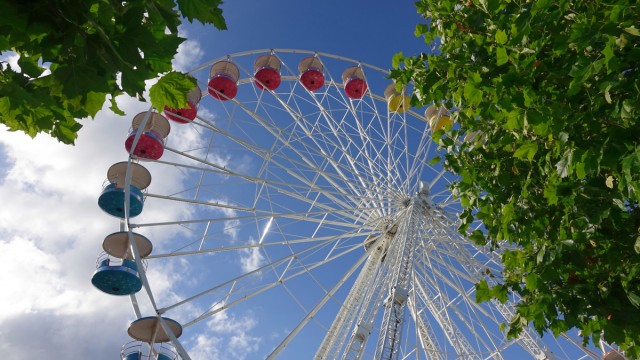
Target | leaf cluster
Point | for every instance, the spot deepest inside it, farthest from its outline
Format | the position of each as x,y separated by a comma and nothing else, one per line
548,98
74,54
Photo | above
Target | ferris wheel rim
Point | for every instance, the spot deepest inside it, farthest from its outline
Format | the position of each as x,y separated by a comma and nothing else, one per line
132,226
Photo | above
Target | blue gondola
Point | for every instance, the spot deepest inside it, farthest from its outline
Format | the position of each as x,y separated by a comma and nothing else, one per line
119,279
111,200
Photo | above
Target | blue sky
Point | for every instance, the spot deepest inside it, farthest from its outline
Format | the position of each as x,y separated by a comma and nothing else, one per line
370,31
52,228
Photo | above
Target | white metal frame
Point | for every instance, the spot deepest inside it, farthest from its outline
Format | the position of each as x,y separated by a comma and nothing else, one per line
333,173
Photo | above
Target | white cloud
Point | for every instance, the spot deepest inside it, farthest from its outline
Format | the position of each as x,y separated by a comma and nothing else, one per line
242,345
230,228
10,58
206,348
189,53
52,231
251,259
231,336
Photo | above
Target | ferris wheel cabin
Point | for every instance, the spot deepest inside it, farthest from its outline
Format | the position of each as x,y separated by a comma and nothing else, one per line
152,136
152,340
149,330
355,85
188,114
116,277
311,76
116,271
398,102
112,198
267,72
438,117
137,350
223,84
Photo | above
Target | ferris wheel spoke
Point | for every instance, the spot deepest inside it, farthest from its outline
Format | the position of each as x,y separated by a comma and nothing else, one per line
280,186
531,341
248,245
309,134
216,204
289,159
398,150
247,296
465,317
377,291
278,134
333,179
314,203
344,320
363,179
302,216
366,135
424,331
463,291
372,170
437,306
233,282
317,308
425,146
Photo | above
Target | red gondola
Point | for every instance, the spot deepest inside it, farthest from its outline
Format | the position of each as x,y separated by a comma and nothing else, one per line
223,84
311,75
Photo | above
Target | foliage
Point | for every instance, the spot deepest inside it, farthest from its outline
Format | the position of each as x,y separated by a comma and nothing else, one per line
93,49
553,87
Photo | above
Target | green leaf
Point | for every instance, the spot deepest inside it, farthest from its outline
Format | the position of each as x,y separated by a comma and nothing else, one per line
94,102
636,246
531,282
158,54
501,37
501,56
30,66
171,90
514,120
540,123
581,170
500,292
540,256
421,29
634,299
483,292
133,83
620,204
478,237
67,133
114,107
563,167
542,5
609,182
526,151
396,60
472,94
550,194
607,95
632,30
205,11
435,160
608,53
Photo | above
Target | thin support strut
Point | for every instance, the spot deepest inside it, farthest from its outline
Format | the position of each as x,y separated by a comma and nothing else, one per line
402,249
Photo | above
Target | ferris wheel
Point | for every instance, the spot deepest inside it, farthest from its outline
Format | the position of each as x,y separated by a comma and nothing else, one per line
301,187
